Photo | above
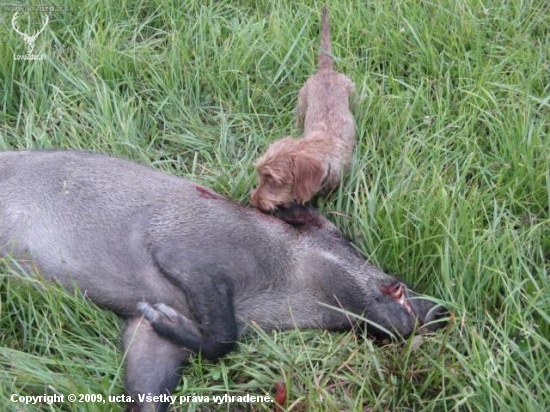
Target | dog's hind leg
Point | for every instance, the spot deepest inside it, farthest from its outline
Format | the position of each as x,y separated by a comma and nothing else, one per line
153,365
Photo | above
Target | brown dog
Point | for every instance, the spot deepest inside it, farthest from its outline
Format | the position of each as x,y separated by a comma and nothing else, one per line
298,168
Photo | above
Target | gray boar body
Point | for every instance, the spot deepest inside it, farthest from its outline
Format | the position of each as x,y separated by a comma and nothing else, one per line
198,266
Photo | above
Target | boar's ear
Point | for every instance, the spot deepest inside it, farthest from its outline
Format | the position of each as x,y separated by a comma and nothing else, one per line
309,173
299,216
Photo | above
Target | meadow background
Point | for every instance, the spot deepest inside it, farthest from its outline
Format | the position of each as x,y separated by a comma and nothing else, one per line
450,187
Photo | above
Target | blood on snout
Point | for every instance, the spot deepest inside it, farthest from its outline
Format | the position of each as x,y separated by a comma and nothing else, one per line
397,291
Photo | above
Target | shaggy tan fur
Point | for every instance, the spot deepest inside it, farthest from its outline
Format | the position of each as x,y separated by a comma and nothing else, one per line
296,169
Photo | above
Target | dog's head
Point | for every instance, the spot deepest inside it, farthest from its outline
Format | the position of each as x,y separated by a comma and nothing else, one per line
287,172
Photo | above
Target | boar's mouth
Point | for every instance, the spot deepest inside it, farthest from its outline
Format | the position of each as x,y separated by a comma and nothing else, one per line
408,314
397,292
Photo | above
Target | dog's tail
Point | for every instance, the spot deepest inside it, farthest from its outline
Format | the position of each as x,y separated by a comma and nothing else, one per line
325,55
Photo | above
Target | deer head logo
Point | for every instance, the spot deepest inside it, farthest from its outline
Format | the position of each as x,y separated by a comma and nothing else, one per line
28,39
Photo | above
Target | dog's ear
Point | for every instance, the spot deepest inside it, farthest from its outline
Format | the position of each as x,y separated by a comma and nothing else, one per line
309,173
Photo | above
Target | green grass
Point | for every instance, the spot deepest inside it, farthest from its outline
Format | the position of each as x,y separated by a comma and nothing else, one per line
450,187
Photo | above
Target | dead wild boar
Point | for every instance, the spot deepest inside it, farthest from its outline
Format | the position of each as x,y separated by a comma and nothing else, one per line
186,268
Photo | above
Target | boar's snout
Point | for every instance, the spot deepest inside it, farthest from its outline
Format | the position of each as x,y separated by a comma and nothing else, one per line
403,312
431,316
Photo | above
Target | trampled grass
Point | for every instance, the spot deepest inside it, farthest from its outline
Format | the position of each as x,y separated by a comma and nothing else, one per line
450,187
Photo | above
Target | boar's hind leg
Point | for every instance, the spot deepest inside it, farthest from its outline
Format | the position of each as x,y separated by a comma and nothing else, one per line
210,300
172,325
152,365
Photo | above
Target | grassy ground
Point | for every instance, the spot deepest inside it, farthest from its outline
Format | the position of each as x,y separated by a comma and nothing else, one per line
450,187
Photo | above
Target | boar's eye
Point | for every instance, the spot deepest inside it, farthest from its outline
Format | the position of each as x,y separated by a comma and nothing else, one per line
337,234
346,242
342,239
347,239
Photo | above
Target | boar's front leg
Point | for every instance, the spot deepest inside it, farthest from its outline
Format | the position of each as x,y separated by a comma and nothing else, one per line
152,365
210,300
